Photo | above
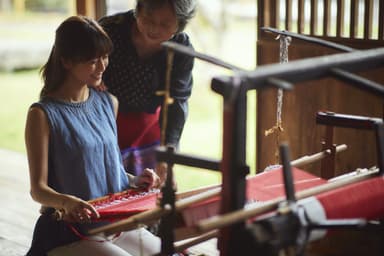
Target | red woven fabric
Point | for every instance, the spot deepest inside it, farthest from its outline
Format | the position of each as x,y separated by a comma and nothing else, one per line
126,204
260,188
360,200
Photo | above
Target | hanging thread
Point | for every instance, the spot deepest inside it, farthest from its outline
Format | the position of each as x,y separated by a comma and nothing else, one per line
278,127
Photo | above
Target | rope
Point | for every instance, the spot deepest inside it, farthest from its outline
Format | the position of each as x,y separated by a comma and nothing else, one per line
278,127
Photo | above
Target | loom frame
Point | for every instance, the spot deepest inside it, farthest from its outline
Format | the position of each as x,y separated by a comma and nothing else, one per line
233,89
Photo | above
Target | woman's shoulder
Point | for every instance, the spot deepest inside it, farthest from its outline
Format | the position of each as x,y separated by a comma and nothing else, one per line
116,20
37,110
103,96
97,93
182,38
105,99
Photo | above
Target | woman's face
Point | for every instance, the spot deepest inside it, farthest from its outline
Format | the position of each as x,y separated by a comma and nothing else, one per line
88,72
157,25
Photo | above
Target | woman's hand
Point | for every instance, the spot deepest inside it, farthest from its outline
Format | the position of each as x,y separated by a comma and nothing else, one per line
148,179
161,170
77,210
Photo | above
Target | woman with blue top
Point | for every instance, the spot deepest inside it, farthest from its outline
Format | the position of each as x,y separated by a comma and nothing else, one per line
137,72
73,152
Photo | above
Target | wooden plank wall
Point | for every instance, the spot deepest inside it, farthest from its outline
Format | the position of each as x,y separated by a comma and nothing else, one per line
336,21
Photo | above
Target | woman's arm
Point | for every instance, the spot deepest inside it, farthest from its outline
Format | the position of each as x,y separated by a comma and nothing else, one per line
115,103
37,134
181,90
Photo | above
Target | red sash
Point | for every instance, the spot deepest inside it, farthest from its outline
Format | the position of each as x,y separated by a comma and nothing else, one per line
138,137
136,129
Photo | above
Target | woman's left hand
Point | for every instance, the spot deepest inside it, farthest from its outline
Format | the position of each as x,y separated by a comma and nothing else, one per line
148,179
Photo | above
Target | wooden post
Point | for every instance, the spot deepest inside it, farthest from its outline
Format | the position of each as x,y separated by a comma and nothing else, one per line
19,6
91,8
328,163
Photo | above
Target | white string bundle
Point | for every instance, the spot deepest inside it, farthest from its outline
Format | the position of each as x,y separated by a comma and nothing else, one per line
284,43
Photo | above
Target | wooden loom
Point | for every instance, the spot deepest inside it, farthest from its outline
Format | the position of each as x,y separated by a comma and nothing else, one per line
283,75
208,228
135,207
233,90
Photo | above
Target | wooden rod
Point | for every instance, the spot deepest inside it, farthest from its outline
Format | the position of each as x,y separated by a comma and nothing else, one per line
354,12
130,223
313,18
156,213
184,244
368,14
167,97
315,157
288,15
217,222
326,18
300,18
381,20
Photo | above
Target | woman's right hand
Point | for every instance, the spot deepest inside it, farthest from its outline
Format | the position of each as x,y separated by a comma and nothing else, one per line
78,210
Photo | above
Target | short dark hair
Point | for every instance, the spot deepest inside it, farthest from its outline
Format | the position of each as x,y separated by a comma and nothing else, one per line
184,9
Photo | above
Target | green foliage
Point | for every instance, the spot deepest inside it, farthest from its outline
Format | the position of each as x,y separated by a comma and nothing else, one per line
19,91
47,6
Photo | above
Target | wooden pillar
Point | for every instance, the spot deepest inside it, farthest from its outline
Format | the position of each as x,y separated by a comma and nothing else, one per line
19,6
91,8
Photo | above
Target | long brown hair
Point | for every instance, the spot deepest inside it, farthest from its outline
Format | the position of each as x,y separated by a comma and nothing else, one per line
77,39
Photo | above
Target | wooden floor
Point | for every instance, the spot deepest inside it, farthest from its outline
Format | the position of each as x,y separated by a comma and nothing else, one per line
18,212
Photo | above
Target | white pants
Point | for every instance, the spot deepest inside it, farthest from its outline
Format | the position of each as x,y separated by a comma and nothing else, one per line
138,242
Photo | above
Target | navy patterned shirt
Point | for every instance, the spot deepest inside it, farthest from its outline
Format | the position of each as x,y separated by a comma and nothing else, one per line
135,81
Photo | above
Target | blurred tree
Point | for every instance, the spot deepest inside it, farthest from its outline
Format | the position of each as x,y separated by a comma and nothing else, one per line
19,6
46,5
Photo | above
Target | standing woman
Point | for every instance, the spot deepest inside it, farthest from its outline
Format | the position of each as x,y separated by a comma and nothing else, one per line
72,148
137,71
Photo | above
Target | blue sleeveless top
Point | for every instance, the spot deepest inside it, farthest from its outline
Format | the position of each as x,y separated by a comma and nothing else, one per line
84,157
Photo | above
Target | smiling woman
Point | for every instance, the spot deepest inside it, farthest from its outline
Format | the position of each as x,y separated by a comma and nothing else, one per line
72,150
137,72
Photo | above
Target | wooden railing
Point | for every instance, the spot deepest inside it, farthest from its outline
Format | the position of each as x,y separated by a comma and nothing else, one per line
356,24
354,19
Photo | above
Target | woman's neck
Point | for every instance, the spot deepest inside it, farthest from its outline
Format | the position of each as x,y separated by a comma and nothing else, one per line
73,95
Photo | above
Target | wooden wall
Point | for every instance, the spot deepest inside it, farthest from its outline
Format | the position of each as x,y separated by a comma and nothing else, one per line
336,21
